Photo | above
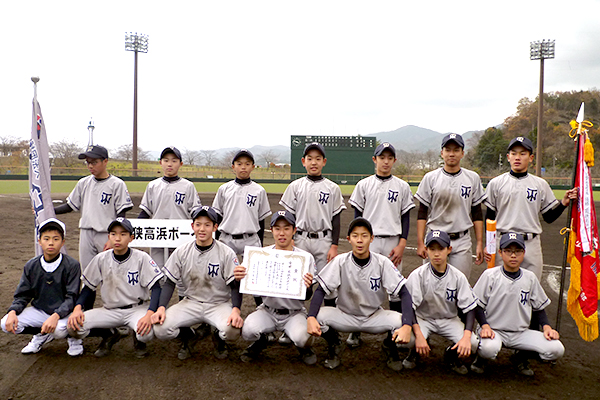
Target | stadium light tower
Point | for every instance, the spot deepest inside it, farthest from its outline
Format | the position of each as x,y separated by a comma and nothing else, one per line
138,43
540,50
91,134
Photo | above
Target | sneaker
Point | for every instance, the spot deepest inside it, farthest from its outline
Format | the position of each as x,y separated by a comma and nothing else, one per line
36,343
284,339
139,348
184,352
308,355
460,369
353,340
253,351
410,362
107,343
332,363
75,347
523,369
390,350
271,337
189,337
478,365
221,352
451,359
520,361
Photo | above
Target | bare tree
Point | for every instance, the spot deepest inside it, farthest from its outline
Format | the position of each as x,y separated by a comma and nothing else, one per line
225,160
125,153
268,157
209,157
10,145
191,157
65,153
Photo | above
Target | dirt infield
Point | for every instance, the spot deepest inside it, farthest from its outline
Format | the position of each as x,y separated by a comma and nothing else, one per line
279,374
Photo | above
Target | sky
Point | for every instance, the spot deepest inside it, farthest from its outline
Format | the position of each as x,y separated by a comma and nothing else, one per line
243,73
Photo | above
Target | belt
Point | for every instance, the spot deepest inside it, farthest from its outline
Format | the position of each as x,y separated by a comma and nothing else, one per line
281,311
385,236
241,235
457,235
139,303
526,236
314,235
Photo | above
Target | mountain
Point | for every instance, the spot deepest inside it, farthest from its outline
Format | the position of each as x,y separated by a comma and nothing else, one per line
412,138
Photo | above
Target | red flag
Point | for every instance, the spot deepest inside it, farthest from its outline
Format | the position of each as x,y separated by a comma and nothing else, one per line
582,300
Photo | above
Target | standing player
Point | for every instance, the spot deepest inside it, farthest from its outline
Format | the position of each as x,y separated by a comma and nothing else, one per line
450,200
363,281
510,297
317,204
51,283
205,268
275,313
243,207
385,201
100,197
438,291
127,277
515,198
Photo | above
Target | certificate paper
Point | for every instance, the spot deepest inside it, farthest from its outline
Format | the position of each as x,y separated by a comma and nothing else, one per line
275,273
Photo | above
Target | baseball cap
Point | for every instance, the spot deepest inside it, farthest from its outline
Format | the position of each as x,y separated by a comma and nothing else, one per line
171,150
123,222
360,221
453,137
440,237
94,152
243,152
52,224
520,141
383,147
316,146
206,211
512,238
288,216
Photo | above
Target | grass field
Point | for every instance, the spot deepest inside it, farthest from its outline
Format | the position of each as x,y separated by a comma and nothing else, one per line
21,187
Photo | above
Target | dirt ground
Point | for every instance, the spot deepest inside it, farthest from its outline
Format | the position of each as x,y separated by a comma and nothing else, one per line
280,374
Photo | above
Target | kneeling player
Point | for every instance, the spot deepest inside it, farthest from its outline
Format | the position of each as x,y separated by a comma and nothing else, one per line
438,290
509,295
127,276
363,280
204,268
275,313
51,283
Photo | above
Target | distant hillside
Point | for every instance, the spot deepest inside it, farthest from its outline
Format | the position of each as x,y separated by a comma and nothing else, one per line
412,138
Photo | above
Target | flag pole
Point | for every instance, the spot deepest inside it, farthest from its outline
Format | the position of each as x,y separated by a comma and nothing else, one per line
35,80
563,272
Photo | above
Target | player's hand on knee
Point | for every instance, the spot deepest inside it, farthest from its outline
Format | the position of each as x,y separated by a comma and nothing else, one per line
463,347
12,321
313,327
550,334
402,334
239,272
332,253
308,279
49,325
76,319
159,316
144,325
235,318
421,250
487,332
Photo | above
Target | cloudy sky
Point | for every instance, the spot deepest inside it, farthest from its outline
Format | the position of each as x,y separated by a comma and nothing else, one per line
240,73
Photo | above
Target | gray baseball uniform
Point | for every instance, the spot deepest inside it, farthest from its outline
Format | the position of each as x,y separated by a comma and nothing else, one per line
205,276
125,290
99,202
279,314
437,299
449,198
361,293
242,207
508,303
518,203
314,203
382,202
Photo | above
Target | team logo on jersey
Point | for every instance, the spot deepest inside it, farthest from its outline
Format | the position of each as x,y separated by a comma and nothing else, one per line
451,294
133,277
251,200
213,270
179,198
105,199
375,283
323,197
465,191
392,196
524,297
532,194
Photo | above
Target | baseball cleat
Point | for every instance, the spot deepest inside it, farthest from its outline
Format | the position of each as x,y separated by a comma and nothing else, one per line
75,347
36,343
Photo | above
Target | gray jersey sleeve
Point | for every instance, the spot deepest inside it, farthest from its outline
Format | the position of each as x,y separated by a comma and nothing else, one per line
150,272
289,200
330,278
92,273
423,194
358,198
264,208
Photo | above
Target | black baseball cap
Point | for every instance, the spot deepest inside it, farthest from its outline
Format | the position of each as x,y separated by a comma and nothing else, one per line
521,141
288,216
241,153
52,224
94,152
360,221
440,237
316,146
453,137
123,222
383,147
206,211
171,150
512,238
